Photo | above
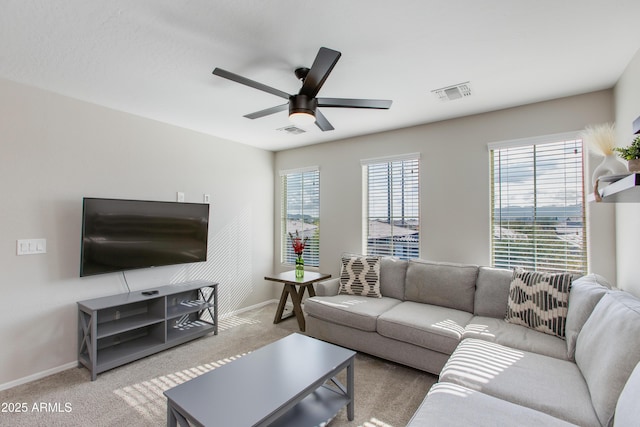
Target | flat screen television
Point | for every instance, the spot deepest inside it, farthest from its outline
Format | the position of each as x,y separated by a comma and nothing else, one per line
120,235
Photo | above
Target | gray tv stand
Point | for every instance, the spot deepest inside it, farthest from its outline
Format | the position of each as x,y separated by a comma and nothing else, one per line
121,328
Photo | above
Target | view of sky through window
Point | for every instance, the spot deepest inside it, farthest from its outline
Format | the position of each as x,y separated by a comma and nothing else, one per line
538,214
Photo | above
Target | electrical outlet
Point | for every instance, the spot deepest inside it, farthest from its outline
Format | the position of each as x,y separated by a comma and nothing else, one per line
180,196
206,198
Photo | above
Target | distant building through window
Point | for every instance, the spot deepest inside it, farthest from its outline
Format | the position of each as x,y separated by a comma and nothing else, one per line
392,206
538,204
300,195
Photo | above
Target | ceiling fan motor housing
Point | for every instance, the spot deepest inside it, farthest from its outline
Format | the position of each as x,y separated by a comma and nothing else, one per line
302,104
301,73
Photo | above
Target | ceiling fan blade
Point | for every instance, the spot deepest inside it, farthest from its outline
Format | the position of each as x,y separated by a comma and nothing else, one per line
354,103
319,71
267,111
248,82
322,122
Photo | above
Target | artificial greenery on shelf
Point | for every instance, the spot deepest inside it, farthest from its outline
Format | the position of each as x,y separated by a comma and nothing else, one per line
631,152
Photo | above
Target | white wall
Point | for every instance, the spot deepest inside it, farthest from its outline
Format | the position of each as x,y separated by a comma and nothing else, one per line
55,150
627,105
454,180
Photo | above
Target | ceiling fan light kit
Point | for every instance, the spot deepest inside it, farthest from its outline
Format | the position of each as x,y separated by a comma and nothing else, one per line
303,107
302,110
302,119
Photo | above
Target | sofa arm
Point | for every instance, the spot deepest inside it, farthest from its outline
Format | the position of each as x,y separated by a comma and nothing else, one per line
328,288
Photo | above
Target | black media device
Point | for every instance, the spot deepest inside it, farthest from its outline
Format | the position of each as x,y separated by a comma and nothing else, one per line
120,235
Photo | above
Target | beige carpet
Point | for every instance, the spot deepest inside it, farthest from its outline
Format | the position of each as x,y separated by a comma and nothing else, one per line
386,394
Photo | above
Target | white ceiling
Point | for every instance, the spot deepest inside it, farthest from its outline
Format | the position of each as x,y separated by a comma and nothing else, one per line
154,58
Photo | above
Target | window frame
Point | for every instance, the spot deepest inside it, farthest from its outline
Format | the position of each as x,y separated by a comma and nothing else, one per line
577,262
411,249
311,254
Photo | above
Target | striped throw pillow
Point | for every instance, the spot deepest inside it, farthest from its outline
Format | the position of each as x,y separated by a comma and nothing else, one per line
539,301
360,275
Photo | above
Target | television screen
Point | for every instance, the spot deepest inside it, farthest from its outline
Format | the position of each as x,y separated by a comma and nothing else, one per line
122,235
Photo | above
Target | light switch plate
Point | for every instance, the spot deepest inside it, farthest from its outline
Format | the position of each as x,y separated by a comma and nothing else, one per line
31,246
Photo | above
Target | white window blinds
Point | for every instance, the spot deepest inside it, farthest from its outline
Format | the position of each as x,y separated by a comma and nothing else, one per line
300,195
538,205
392,206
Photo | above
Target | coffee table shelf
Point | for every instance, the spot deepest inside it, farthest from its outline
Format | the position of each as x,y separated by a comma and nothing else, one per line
320,406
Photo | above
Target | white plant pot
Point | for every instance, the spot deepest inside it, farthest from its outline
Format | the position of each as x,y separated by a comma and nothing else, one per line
610,165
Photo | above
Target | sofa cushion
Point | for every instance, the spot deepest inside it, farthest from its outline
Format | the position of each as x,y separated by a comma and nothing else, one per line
439,283
627,406
539,300
350,310
492,292
451,405
360,275
393,272
539,382
585,293
515,336
608,349
431,326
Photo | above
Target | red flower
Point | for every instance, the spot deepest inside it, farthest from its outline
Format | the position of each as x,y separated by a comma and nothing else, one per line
298,243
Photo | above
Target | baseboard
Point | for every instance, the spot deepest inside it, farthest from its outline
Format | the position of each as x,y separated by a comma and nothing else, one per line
74,364
38,375
251,307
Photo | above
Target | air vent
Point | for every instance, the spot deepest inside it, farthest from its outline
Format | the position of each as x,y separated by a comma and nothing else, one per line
292,130
450,93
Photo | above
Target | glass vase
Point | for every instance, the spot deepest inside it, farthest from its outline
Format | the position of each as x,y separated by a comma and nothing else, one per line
299,267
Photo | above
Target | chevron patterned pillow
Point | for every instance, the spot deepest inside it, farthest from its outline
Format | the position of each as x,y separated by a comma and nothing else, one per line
360,275
539,301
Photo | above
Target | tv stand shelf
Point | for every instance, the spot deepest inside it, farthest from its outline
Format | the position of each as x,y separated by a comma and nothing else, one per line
121,328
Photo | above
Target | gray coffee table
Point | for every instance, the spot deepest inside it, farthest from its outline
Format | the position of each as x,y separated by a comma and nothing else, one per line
290,382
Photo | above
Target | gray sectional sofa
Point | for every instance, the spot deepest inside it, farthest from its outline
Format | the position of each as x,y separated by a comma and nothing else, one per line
449,319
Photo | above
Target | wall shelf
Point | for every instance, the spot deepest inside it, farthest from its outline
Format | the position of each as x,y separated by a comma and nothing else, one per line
621,189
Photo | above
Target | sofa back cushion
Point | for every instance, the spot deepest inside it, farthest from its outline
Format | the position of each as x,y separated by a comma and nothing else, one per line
393,272
439,283
492,292
627,406
585,293
608,349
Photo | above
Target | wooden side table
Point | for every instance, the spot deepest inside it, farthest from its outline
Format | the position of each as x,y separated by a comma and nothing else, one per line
295,287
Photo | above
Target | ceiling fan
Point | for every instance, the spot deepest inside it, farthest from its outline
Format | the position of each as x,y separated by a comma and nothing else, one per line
303,107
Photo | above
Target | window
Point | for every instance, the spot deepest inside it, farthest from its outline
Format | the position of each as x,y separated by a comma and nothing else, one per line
392,206
538,204
301,212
